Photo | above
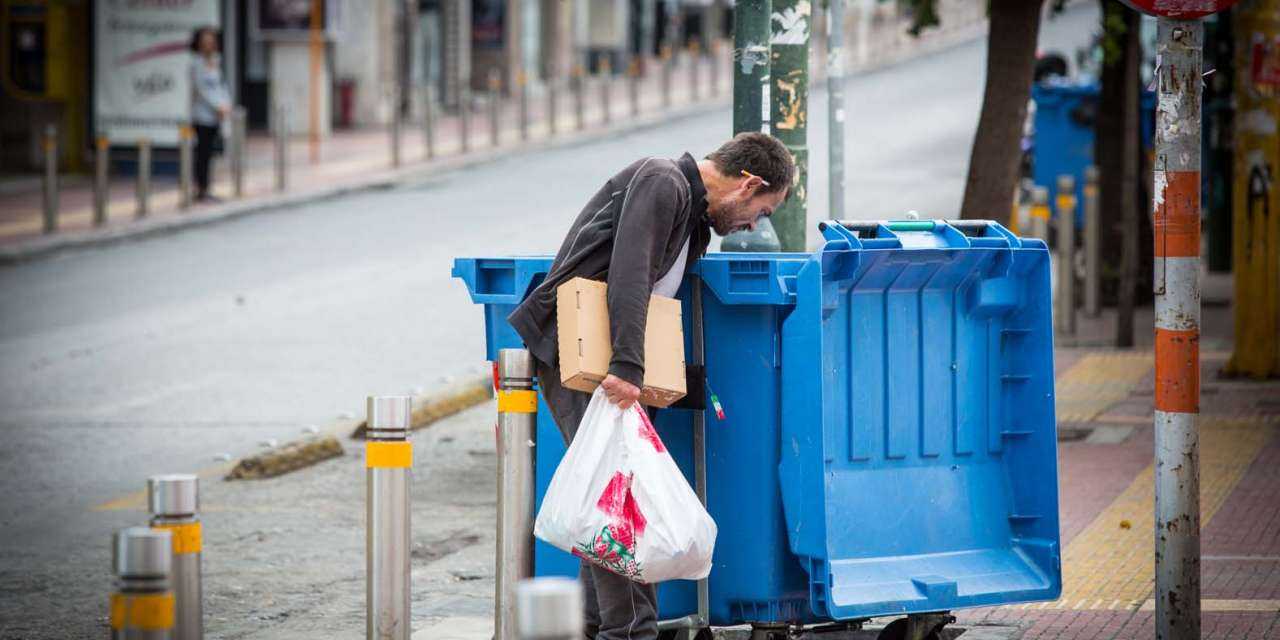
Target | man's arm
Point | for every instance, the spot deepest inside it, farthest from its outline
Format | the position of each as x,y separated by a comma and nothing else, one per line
639,244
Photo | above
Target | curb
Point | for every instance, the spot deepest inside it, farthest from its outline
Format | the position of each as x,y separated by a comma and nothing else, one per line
407,175
428,409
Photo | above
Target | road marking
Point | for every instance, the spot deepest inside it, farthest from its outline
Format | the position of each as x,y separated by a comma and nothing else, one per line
1259,606
1097,381
1111,562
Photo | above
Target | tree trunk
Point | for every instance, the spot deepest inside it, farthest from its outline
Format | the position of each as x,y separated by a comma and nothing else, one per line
993,163
1118,156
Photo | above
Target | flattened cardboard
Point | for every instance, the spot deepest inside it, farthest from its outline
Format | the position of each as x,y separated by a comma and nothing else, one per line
582,320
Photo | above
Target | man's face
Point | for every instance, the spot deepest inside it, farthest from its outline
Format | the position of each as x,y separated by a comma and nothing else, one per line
742,207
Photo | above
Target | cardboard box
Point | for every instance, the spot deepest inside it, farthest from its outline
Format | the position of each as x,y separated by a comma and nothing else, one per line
582,319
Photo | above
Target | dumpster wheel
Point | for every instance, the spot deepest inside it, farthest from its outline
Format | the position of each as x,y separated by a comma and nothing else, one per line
922,627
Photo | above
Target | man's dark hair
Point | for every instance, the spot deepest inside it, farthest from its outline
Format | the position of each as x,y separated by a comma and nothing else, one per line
759,154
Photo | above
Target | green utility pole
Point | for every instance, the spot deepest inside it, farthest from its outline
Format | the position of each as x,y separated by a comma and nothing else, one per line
789,80
751,66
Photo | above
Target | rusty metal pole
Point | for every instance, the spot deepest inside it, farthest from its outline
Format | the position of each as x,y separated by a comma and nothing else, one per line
50,179
789,76
101,180
579,109
144,177
633,87
1092,244
1066,220
1176,226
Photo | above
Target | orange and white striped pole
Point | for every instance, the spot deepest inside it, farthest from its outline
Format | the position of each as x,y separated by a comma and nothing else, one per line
1176,205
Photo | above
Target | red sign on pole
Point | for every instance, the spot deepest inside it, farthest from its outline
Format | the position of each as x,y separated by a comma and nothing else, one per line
1180,9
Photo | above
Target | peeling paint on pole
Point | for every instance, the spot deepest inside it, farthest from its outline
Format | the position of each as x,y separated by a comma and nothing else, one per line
789,87
751,66
1176,226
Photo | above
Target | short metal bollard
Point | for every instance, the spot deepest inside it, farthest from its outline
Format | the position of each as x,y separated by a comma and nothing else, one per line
579,106
144,177
606,90
695,62
1040,213
633,87
522,86
185,158
1092,245
388,459
495,108
396,120
666,76
1066,202
101,180
464,118
239,129
281,130
517,417
50,179
429,121
549,609
553,105
142,602
174,501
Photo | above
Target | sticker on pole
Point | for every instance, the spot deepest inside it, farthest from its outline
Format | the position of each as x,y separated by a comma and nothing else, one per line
1180,9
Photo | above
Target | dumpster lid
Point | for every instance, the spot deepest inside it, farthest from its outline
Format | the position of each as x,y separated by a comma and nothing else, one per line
918,470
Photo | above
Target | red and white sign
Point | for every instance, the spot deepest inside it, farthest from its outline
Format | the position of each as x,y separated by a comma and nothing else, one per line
142,67
1180,9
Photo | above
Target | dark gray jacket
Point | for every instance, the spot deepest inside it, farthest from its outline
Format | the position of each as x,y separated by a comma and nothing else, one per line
628,235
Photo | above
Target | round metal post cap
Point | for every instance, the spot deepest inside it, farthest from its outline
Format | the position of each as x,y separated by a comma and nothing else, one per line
515,364
389,413
549,608
174,494
141,552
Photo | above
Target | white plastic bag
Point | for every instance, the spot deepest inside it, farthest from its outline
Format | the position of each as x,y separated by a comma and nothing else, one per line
619,501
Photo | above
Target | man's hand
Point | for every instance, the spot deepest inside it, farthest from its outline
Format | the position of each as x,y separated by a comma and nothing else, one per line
620,392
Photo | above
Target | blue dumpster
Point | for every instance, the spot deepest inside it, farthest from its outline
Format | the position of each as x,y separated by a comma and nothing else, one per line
1064,132
888,445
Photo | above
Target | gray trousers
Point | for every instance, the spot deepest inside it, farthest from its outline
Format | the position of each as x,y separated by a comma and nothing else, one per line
615,608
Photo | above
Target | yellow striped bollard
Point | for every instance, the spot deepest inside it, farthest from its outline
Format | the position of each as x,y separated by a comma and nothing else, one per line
517,431
142,603
174,501
388,459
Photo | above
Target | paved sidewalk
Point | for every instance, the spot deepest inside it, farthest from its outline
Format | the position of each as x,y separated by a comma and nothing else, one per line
359,158
1107,496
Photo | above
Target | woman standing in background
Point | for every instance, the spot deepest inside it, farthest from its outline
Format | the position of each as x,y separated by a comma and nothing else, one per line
210,104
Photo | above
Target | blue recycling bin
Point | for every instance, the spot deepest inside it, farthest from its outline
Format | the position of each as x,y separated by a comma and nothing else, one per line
888,445
1064,134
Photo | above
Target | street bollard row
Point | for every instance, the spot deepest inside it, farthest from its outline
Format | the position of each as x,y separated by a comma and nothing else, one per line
517,433
388,458
237,147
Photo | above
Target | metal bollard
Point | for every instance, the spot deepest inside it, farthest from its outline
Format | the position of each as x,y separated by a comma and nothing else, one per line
522,86
1066,202
464,117
495,107
142,603
239,129
517,418
101,180
429,121
395,127
606,86
50,179
666,76
549,609
695,58
633,87
579,108
174,501
714,51
553,104
144,177
1040,213
184,166
388,458
281,122
1092,244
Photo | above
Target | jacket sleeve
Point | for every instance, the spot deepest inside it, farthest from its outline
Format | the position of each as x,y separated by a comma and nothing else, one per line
645,224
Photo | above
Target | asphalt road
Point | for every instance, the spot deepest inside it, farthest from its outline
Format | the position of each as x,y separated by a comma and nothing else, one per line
159,355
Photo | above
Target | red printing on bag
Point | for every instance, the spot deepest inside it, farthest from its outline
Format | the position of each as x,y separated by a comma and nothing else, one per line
647,431
614,546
